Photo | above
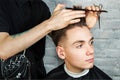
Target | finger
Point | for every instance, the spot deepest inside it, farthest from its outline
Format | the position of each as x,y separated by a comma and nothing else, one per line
93,8
59,7
73,13
88,8
74,17
77,16
97,8
74,21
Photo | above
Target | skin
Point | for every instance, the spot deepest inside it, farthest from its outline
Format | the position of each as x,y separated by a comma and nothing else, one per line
60,18
76,49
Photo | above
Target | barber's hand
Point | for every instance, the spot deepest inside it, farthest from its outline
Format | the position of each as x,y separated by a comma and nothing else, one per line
62,17
91,16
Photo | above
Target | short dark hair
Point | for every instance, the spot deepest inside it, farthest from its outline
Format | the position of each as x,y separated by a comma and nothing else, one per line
58,34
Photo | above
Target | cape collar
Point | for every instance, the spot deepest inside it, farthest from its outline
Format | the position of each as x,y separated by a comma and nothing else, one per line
75,75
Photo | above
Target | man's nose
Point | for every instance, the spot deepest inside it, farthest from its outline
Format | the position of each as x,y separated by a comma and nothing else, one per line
90,50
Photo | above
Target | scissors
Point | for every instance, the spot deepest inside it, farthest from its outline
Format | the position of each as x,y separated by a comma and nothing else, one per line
98,13
100,6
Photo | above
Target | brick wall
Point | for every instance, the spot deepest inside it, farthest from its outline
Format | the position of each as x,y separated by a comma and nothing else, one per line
107,39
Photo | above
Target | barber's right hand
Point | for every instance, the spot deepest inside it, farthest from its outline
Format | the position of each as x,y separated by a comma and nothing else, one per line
62,17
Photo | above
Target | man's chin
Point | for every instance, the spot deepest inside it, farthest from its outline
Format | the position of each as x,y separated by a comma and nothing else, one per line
90,66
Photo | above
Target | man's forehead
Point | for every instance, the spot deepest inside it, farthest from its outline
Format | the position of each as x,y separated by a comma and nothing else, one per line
78,33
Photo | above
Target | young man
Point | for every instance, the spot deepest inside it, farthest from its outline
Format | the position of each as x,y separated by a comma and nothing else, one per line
74,44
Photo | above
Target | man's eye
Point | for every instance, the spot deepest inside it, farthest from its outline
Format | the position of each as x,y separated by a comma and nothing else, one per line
79,46
91,43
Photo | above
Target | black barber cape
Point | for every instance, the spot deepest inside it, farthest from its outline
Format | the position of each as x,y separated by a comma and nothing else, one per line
94,74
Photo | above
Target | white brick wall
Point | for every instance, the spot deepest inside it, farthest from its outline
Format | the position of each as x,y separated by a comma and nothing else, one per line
107,39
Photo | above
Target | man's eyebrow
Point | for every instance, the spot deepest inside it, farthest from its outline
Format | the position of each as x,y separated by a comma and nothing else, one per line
82,41
79,41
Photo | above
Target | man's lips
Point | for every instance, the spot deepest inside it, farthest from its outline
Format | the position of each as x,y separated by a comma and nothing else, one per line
90,60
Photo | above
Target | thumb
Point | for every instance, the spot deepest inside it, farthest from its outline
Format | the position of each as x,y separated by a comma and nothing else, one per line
59,7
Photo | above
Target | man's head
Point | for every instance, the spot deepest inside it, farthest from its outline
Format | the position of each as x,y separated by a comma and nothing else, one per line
74,46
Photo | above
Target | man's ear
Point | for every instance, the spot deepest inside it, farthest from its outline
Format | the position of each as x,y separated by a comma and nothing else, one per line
60,52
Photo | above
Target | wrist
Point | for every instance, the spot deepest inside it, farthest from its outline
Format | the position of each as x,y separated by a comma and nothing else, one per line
50,25
47,25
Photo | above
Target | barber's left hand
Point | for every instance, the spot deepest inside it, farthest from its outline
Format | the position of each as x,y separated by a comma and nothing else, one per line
91,16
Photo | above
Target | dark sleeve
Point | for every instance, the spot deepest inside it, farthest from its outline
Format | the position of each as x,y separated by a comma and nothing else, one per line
45,11
4,18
